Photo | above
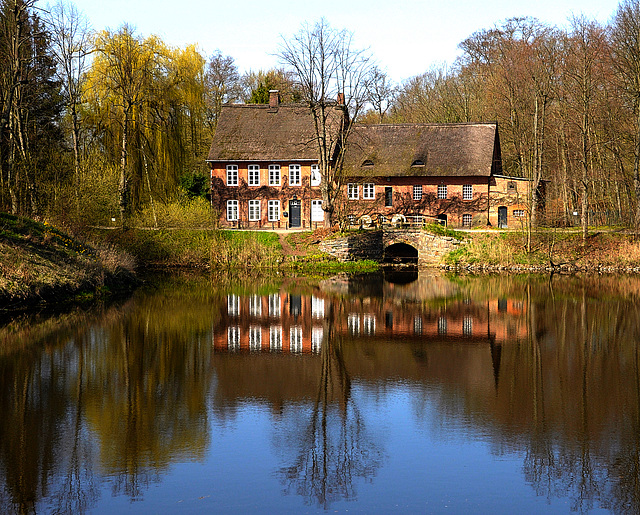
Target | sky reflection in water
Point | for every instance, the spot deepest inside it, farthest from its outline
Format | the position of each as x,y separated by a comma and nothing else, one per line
458,395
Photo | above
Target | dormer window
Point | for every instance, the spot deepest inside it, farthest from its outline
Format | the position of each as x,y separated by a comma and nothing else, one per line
368,162
417,162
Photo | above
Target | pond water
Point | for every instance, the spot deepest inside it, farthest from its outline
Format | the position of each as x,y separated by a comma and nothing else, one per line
368,394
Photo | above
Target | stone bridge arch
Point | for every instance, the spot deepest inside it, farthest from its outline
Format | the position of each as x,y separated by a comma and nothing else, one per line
430,248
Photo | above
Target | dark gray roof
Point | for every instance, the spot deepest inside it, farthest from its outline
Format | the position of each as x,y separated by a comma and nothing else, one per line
459,149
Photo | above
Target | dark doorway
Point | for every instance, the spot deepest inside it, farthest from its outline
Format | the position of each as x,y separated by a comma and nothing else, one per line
401,254
442,220
502,217
294,213
388,196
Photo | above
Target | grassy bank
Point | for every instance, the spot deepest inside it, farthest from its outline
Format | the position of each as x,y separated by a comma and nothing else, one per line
41,262
605,249
222,250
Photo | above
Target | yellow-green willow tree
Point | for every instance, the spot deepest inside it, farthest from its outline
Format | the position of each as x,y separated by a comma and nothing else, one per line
147,104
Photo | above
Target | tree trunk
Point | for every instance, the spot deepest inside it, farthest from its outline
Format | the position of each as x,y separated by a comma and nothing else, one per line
123,189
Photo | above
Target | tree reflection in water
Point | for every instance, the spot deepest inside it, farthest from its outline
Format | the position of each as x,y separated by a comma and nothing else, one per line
333,447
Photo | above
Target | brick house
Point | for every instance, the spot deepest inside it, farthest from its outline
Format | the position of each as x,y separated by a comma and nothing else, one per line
265,174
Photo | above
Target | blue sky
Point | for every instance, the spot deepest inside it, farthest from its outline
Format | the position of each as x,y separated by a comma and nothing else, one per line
406,37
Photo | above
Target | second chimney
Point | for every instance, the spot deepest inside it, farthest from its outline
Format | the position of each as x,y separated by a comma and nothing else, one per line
340,99
274,98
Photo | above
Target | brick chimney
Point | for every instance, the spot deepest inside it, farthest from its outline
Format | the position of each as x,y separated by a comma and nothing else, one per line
274,98
340,99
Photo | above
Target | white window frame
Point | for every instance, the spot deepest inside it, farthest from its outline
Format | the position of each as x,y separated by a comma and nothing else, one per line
233,338
295,175
353,323
232,175
274,210
232,210
233,305
417,192
317,307
316,178
467,192
295,339
467,326
368,191
317,215
255,306
255,338
465,217
442,191
275,177
353,191
275,305
253,175
369,324
275,338
518,213
317,333
254,211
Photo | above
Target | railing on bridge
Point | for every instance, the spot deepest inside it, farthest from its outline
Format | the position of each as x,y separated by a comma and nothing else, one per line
395,220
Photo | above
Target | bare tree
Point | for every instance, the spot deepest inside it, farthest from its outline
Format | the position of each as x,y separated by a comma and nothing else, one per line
625,36
71,44
332,76
380,91
222,85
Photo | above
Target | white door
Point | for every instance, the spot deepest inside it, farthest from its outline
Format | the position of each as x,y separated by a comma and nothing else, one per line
317,215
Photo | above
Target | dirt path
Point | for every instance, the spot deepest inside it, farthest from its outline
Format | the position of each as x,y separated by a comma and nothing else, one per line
287,249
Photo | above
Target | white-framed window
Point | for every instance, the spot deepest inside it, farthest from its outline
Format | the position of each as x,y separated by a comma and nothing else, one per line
232,175
368,191
274,305
417,325
353,191
442,325
294,175
275,338
317,307
317,333
254,210
317,214
467,192
254,175
232,210
353,323
274,210
466,220
233,338
467,326
417,192
369,324
315,175
519,213
442,191
255,338
274,175
233,305
255,306
295,339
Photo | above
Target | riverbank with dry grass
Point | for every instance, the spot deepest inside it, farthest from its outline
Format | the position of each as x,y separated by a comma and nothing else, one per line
42,263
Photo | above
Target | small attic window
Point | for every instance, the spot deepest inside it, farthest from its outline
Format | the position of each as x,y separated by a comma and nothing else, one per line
417,162
368,162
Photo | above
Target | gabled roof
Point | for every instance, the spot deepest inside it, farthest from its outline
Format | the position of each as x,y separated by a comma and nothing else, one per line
258,132
427,150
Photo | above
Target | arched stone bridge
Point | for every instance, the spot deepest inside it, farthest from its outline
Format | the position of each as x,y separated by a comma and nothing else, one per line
376,244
